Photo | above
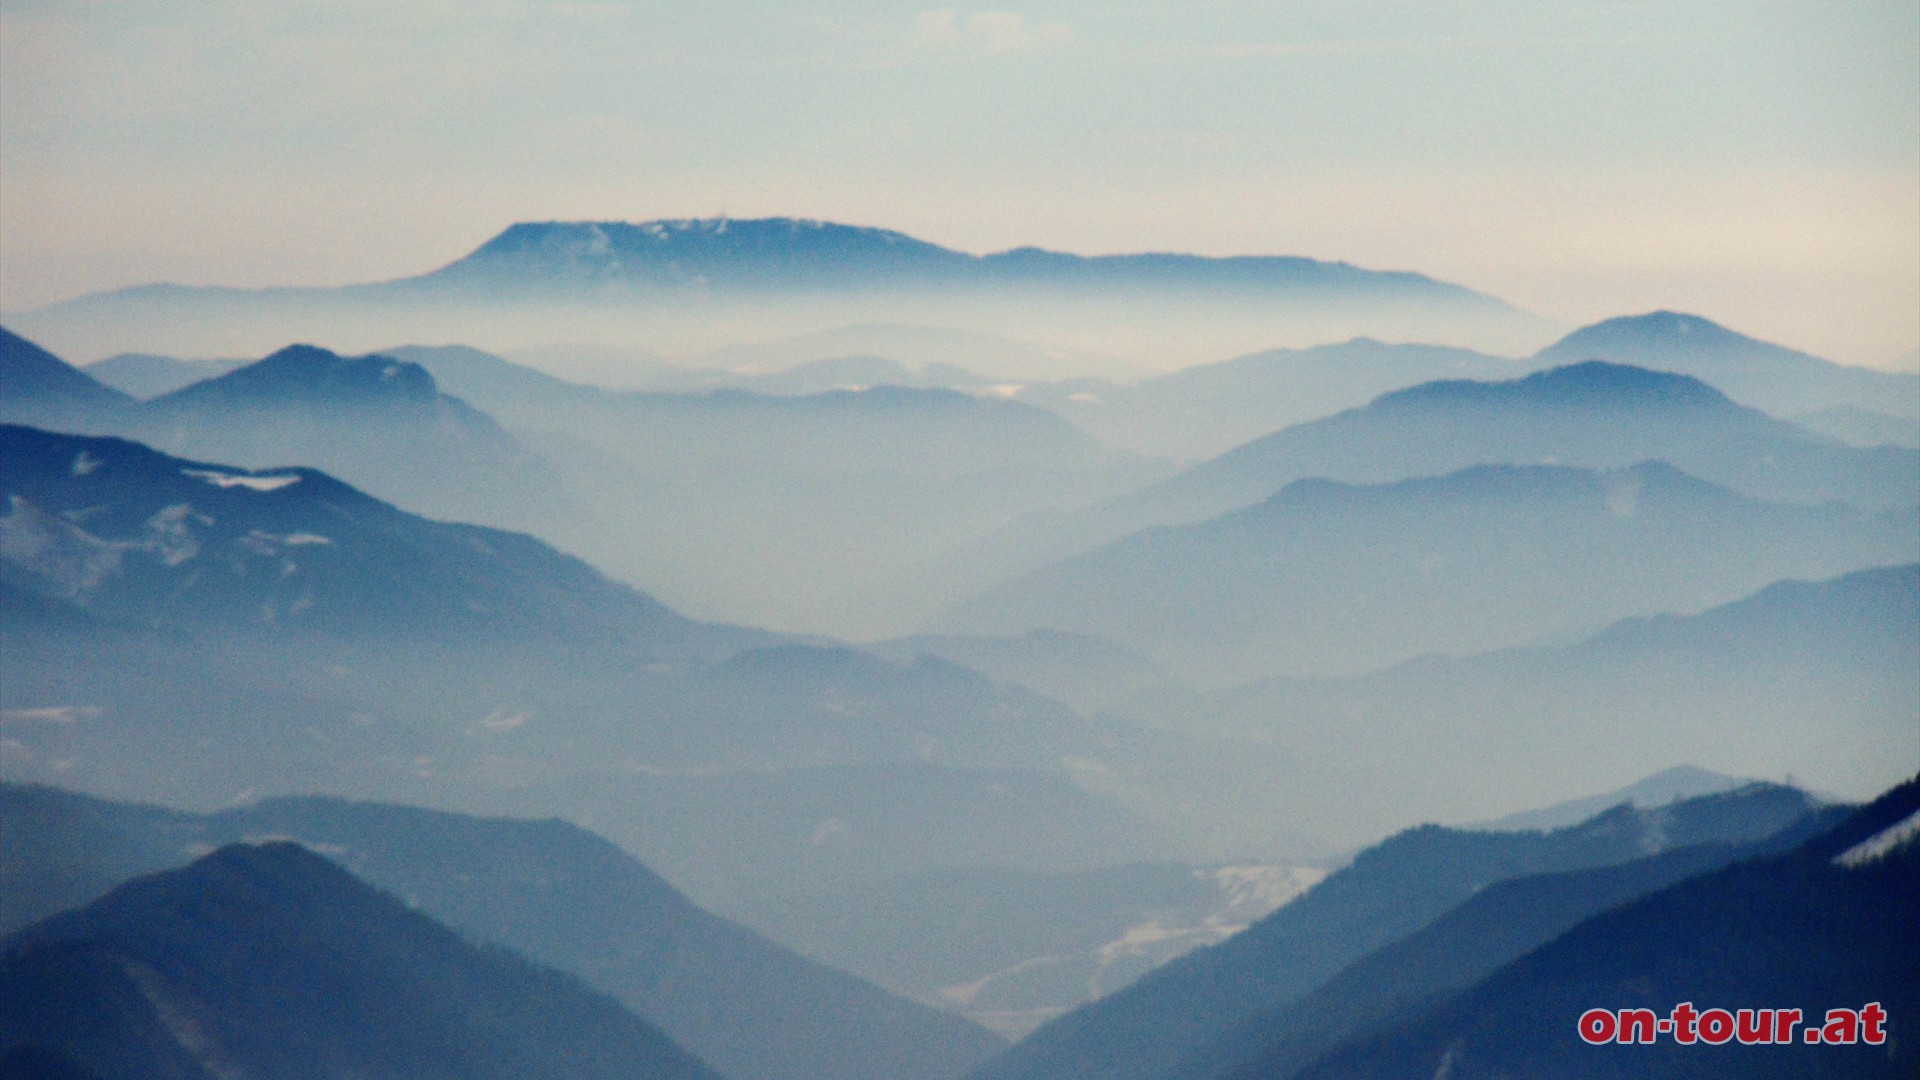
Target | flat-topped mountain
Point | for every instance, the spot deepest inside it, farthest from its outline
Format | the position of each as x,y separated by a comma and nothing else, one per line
722,254
662,283
271,961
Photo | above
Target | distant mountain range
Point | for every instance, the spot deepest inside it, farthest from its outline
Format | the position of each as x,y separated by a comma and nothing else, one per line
771,508
270,960
658,259
661,281
548,890
1666,786
1147,1031
1203,411
1812,678
1333,578
806,511
1594,415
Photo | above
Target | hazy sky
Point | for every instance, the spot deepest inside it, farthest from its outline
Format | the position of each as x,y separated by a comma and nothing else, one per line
1754,161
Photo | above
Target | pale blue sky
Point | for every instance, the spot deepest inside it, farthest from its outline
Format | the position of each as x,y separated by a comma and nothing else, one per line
1755,161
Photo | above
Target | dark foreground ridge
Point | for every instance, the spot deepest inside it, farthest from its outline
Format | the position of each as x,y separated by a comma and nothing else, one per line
271,961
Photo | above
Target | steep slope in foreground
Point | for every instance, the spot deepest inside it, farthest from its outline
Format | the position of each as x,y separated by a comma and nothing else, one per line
34,383
1387,892
1494,926
548,890
1829,926
271,961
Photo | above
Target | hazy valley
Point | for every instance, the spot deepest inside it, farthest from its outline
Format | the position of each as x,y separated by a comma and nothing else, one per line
778,650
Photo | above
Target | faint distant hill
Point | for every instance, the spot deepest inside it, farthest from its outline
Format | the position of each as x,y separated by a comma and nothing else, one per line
271,960
1388,891
1332,578
1863,427
851,372
807,511
928,350
1206,410
1663,787
1810,678
550,891
870,426
1823,926
1783,381
1590,414
1593,415
1084,670
144,375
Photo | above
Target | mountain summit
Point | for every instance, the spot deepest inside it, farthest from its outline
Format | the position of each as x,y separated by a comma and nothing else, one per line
1783,381
722,254
664,282
306,373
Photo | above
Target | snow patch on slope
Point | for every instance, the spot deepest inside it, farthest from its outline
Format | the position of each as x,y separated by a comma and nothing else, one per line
231,480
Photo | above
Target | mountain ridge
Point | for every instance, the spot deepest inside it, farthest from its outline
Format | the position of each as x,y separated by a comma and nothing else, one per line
1328,573
549,890
272,957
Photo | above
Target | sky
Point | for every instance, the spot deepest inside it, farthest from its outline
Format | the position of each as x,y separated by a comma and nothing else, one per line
1753,161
